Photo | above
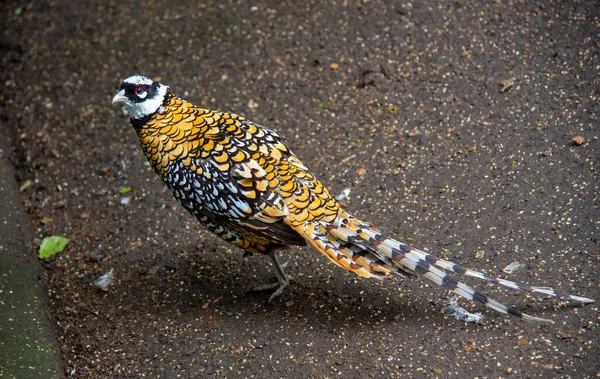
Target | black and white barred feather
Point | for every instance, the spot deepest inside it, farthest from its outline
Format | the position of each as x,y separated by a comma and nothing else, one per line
358,247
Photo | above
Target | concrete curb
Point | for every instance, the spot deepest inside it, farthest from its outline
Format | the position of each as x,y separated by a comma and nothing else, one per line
28,346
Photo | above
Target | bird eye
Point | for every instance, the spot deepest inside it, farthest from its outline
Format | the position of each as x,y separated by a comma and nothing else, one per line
139,90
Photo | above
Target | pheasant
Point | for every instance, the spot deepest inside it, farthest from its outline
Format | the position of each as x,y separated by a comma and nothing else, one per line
243,183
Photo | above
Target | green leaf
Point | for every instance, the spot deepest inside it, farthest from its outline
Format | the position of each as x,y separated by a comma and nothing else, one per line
52,245
18,11
324,106
25,185
124,190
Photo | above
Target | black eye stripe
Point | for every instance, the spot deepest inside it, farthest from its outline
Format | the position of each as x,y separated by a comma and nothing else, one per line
130,91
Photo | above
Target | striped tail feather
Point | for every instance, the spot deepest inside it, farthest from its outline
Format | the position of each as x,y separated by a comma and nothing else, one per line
358,247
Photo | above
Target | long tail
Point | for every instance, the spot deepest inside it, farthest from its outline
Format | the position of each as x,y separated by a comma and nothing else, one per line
358,247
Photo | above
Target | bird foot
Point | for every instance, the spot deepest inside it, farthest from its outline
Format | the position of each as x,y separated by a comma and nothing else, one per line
278,287
283,280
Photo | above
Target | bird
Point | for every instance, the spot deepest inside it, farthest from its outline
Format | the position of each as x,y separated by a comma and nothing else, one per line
243,183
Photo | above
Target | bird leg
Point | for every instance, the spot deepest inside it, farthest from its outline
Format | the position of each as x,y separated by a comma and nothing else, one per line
282,278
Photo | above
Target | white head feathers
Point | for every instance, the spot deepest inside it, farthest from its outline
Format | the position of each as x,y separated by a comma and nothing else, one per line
138,79
141,95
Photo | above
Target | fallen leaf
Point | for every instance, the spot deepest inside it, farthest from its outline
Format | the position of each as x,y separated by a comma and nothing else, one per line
564,335
88,112
25,185
578,140
547,366
505,85
52,245
512,267
124,190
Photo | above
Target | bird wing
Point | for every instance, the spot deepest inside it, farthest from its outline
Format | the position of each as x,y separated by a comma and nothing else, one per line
233,183
238,199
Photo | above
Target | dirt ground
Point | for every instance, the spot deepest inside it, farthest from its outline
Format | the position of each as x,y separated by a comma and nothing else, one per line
451,121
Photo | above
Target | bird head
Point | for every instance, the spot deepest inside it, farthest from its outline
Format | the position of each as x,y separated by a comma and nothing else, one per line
141,95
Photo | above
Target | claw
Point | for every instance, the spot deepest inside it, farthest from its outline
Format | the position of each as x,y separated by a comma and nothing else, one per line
283,280
279,287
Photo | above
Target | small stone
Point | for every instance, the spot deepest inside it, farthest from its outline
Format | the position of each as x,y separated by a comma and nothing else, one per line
334,66
104,281
252,104
60,204
97,254
344,194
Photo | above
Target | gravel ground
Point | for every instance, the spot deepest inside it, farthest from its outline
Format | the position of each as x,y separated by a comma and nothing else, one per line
453,123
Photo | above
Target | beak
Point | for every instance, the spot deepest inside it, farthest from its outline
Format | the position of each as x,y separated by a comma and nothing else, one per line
119,97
